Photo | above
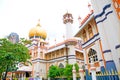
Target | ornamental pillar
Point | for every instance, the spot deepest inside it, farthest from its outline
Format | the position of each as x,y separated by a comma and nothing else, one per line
81,73
93,71
38,50
74,73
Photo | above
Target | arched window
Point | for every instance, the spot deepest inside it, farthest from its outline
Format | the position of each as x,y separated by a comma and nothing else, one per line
84,36
90,31
61,65
92,55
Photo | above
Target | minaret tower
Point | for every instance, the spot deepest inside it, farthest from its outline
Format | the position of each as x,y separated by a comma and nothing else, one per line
38,35
69,42
68,21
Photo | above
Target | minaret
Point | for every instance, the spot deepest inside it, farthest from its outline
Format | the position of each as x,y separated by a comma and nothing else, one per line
68,21
38,35
69,42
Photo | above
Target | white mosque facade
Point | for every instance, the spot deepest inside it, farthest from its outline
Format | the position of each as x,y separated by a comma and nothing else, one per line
99,33
43,56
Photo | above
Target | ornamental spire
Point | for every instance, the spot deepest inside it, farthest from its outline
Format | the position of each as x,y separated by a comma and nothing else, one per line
38,24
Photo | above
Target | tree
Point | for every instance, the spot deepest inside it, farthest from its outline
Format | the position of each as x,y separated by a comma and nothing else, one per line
77,69
61,72
53,71
68,71
10,55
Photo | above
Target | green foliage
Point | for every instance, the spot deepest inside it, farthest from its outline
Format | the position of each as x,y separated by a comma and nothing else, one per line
53,71
68,70
25,41
12,54
61,72
76,67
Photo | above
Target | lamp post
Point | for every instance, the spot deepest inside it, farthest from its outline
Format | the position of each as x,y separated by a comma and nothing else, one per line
66,46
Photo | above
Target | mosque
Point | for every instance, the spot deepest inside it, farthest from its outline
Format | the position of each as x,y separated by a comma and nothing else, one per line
97,41
100,32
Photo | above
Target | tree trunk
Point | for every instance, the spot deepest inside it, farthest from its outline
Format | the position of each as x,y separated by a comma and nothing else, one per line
4,77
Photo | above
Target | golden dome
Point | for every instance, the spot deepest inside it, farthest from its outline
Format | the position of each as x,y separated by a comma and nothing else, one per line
37,31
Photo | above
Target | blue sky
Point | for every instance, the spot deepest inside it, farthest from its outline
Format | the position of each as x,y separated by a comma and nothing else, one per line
21,15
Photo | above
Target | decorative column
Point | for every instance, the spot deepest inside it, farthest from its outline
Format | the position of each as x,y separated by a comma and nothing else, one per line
81,73
85,65
93,70
32,52
74,73
22,76
38,49
38,63
48,78
19,77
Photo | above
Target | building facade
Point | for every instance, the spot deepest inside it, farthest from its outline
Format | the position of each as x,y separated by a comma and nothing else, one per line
100,32
43,55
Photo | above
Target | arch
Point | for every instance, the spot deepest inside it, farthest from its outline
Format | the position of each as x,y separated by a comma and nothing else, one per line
84,35
61,65
90,31
92,55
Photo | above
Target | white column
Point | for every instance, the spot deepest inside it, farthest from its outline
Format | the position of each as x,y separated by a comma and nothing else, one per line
85,59
19,77
69,32
32,52
39,49
74,73
81,73
22,76
71,51
93,70
38,69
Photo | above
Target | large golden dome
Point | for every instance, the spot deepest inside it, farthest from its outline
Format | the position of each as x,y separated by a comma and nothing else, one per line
37,31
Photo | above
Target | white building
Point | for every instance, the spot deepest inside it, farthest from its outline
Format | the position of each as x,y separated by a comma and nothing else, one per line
100,32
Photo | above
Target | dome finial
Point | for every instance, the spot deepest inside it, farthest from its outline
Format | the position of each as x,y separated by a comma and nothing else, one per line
38,24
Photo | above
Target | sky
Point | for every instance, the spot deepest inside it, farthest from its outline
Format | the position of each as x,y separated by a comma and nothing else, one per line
20,16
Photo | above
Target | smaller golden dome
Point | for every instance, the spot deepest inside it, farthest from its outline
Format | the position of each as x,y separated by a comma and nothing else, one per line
37,31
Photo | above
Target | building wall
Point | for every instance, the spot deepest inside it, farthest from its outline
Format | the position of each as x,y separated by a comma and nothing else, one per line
91,40
53,56
108,26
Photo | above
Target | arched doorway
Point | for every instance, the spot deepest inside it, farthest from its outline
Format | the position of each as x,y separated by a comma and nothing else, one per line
27,74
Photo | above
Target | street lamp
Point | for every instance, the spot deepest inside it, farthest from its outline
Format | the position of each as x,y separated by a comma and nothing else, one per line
66,46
